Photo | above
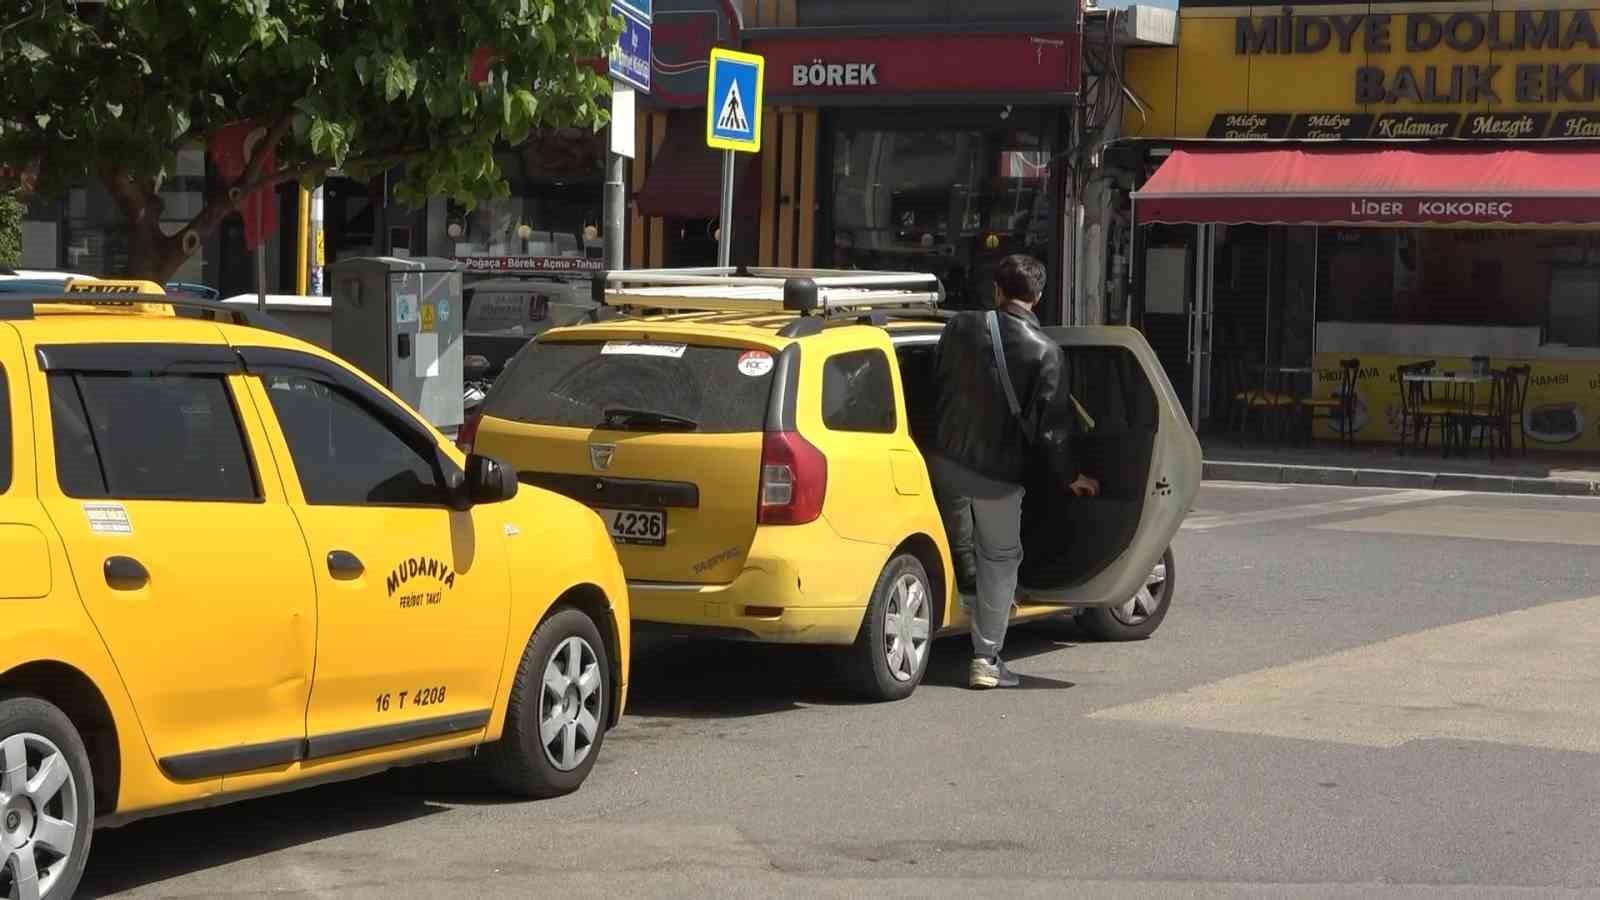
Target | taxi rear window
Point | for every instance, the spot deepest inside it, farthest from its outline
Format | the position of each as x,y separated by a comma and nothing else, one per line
649,385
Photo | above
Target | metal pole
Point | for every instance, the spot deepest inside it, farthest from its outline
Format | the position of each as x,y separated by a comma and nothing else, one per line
616,210
318,253
302,241
725,244
261,258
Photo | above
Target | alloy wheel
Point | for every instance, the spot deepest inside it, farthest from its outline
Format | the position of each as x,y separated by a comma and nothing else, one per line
570,704
906,627
38,816
1147,601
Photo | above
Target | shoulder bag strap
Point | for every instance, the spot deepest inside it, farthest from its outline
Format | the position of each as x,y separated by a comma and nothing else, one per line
1000,363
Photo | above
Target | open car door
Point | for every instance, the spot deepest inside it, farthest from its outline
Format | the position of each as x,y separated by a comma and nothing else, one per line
1133,437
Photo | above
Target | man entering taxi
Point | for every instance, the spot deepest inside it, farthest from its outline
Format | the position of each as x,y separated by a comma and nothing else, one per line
1001,395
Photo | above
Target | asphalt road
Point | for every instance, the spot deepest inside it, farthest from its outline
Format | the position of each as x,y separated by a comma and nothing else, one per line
1358,693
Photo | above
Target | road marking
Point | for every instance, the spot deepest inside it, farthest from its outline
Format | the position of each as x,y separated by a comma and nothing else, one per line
1527,678
1244,486
1312,510
1532,526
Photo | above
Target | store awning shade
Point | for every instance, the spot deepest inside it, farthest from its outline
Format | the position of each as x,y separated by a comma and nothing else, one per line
685,180
1465,185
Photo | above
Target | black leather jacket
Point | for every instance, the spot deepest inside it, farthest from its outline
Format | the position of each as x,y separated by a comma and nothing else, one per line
973,424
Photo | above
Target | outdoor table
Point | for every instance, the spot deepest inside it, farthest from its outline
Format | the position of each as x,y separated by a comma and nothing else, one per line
1461,392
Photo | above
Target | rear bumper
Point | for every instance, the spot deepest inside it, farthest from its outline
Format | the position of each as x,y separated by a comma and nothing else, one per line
765,603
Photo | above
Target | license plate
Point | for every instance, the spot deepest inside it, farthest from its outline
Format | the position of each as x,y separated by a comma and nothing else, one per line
636,526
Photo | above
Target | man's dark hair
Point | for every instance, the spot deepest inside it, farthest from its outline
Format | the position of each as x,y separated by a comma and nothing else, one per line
1020,277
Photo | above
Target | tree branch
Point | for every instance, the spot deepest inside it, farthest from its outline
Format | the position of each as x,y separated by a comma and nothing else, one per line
258,159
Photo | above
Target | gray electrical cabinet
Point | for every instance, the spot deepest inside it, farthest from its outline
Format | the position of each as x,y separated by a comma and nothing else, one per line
400,321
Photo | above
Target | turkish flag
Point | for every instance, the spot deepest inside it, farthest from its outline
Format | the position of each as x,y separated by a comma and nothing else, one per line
230,148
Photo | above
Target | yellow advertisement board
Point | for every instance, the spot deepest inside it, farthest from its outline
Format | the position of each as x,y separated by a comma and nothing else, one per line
1471,70
1562,410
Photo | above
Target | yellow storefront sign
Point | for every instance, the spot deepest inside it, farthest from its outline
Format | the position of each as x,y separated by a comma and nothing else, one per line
1386,72
1562,410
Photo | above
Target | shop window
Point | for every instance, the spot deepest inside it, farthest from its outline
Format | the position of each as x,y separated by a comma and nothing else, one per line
951,201
1574,306
92,235
1442,276
553,210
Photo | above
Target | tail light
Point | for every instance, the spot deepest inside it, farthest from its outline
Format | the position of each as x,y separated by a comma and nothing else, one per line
794,479
468,435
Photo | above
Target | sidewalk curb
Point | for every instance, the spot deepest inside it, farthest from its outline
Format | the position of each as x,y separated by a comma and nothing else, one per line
1278,473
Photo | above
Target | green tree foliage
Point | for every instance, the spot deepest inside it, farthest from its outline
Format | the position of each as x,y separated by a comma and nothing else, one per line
110,92
11,210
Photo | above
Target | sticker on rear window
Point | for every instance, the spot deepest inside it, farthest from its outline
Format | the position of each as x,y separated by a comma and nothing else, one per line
108,518
639,348
755,363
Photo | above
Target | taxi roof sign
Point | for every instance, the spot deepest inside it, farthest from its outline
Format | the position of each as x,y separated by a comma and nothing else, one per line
111,289
112,286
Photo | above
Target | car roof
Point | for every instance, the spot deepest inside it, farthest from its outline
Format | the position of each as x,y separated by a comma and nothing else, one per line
765,328
104,309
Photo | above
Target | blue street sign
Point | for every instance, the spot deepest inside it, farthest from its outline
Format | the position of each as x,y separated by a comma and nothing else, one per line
630,58
639,8
733,101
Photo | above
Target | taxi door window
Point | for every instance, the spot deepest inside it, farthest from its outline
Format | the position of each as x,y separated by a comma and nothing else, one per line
344,454
857,393
149,437
5,433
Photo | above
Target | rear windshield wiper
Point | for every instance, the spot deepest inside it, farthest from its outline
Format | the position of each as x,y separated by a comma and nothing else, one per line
622,417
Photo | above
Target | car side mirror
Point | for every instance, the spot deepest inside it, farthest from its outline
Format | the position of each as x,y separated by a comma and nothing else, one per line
489,480
457,489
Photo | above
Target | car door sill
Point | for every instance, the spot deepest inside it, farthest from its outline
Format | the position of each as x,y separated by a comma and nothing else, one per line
250,757
341,742
228,760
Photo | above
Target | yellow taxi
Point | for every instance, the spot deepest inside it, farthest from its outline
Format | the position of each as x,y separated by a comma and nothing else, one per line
231,564
752,441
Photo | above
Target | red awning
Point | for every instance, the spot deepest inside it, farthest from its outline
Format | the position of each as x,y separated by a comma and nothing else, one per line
1467,185
685,180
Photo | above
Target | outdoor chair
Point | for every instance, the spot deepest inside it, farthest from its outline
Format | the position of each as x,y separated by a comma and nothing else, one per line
1340,409
1516,388
1491,416
1412,396
1260,394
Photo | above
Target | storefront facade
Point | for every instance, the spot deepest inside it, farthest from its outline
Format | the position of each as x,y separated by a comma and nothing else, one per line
549,224
921,139
1393,183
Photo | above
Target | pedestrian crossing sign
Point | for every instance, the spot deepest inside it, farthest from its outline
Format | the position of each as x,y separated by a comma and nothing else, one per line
733,101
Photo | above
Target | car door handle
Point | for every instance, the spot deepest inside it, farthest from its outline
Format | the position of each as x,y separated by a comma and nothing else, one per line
344,564
124,573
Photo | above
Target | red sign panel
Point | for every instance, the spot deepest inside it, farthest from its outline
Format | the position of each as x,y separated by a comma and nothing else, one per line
1377,210
1375,185
952,63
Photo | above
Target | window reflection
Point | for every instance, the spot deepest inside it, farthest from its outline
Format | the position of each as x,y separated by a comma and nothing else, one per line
952,202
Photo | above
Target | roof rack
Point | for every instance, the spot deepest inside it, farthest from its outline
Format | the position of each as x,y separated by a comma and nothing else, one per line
15,307
828,293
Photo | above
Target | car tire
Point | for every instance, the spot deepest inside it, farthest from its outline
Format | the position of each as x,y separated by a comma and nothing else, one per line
555,720
48,832
891,651
1142,614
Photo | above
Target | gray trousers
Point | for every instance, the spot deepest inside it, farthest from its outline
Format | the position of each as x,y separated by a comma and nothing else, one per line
983,521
